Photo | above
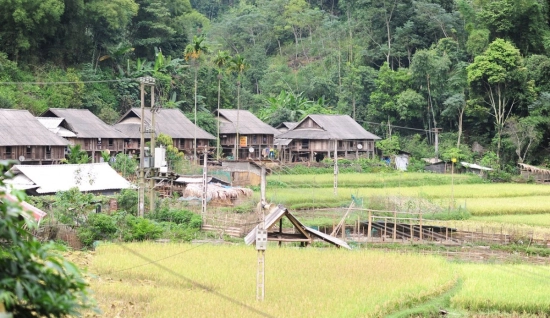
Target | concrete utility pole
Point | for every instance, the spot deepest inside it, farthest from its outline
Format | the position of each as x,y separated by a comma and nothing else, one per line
261,242
152,161
204,183
335,167
149,81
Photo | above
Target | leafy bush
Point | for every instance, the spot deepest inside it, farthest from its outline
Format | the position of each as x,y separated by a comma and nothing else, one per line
180,217
128,200
35,281
125,165
97,227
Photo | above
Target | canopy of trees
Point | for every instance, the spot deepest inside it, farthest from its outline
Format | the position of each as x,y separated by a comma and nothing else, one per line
477,69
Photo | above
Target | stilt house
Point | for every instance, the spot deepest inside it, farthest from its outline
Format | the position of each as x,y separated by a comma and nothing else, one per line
254,135
23,138
168,121
318,136
92,133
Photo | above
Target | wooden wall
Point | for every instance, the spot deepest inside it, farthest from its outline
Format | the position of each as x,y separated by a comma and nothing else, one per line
33,153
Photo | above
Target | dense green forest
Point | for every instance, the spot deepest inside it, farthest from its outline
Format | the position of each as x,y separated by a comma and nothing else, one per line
477,69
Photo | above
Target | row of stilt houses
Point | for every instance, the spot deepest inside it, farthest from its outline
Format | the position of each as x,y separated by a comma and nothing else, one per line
242,136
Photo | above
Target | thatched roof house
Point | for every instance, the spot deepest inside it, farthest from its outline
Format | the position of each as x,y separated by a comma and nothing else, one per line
23,138
92,133
316,135
253,134
168,121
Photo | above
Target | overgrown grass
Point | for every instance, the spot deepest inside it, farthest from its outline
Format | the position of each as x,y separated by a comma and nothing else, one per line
505,288
220,281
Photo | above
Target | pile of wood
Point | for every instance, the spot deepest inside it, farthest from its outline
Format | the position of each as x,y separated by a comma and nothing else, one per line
217,192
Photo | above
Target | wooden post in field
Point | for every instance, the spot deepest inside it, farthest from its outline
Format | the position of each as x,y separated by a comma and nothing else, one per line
385,227
394,225
420,217
369,228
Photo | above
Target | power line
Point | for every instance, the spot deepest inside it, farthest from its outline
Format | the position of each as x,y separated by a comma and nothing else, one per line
196,284
156,261
393,126
68,82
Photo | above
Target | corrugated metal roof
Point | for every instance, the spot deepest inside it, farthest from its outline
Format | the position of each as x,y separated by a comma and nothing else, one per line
475,166
247,122
169,121
278,213
87,177
281,142
53,124
84,123
336,127
21,128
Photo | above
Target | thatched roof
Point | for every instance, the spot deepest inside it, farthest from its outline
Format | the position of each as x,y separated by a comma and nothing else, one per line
21,128
169,121
247,122
534,169
216,192
84,123
326,127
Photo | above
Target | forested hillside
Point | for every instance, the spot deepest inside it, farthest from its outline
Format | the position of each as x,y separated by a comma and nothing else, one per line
477,69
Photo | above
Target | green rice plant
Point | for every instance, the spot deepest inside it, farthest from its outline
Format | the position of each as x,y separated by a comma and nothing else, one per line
538,204
220,281
527,219
371,180
504,288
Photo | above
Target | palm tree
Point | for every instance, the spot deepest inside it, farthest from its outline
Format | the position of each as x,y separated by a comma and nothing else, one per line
194,51
238,65
220,60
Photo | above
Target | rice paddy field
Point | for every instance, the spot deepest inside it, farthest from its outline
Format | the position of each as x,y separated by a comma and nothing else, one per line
219,281
468,191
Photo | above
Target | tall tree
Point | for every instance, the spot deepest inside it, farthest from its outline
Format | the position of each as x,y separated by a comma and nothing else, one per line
498,77
221,60
238,65
194,52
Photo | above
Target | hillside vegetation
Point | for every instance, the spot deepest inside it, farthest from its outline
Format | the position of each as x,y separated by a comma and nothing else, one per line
477,69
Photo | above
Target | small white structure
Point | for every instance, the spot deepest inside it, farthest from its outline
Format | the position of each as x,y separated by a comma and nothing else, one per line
477,169
49,179
402,161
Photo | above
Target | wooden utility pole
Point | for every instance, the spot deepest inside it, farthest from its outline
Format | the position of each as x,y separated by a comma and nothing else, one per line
436,141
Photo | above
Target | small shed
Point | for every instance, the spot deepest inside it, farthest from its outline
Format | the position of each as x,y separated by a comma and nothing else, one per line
439,167
301,233
541,175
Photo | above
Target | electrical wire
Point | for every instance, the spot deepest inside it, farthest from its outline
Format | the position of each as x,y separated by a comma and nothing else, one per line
194,283
69,82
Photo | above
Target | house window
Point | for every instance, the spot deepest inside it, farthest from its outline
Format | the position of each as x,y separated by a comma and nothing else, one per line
29,151
264,139
8,150
340,144
305,144
48,152
254,139
111,142
351,144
